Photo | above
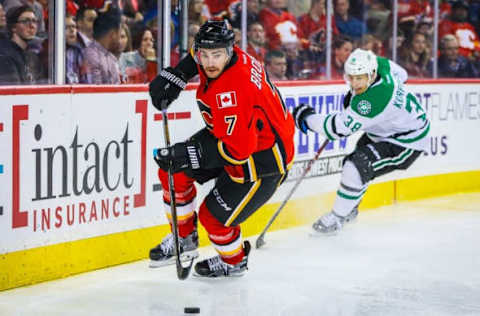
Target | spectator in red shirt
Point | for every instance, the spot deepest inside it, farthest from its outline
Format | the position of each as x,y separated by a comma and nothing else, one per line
458,25
256,41
313,25
281,27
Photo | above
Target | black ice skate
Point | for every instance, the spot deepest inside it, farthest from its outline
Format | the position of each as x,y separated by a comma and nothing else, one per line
215,267
331,222
164,253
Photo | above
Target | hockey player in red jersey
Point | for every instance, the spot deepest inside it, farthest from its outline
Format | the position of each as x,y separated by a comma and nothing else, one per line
246,145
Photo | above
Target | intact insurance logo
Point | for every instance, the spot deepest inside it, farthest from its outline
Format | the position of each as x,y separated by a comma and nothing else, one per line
83,179
331,160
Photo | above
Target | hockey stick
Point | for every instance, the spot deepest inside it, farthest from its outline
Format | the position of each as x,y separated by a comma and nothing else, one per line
260,240
182,272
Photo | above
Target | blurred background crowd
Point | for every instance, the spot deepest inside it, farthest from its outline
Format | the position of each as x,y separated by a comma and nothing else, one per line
115,41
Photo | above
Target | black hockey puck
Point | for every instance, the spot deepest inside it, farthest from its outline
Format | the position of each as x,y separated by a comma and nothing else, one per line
192,310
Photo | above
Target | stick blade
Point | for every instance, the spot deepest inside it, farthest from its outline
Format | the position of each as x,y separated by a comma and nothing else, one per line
183,272
260,242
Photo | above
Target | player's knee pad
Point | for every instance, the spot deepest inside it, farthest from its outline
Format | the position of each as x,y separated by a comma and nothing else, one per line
363,164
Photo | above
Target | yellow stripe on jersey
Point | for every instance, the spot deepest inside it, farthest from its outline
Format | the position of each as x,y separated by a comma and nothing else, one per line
228,158
244,202
240,180
252,169
278,158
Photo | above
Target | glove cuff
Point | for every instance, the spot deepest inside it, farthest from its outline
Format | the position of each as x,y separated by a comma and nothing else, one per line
173,78
193,155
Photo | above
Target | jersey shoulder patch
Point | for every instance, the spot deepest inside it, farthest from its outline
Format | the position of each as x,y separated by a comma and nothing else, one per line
373,101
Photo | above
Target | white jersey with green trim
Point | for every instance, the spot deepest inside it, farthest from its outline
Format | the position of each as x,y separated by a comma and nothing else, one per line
386,111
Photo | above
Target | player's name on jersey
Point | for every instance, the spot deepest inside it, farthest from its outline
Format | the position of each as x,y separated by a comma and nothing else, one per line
322,167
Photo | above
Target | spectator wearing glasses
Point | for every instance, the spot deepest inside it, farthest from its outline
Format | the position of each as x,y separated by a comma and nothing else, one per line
100,65
18,65
451,63
37,10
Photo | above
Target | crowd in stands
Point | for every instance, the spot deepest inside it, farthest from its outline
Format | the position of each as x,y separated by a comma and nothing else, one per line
114,41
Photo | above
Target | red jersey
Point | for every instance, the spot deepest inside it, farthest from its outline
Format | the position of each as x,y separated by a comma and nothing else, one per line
414,9
316,31
220,8
465,33
280,27
258,55
245,112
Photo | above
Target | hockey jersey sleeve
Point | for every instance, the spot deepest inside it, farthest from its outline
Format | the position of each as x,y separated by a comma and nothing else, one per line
387,66
398,71
338,125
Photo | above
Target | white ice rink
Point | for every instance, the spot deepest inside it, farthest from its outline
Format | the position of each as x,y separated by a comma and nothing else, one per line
418,258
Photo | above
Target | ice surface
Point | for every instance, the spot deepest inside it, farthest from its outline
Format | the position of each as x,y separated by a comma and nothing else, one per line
417,258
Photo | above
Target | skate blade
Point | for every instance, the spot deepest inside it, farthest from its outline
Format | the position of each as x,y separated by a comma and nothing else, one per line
235,275
316,234
184,257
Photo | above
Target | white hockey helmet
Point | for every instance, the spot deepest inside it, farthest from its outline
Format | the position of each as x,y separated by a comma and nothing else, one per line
361,62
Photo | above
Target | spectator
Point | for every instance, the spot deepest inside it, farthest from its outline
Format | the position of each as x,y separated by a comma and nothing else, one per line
100,64
298,7
196,12
378,17
256,41
414,56
451,63
3,23
73,52
346,23
85,19
370,42
220,9
132,11
238,37
125,39
139,65
276,65
37,10
313,25
457,25
253,8
175,54
18,65
281,27
342,47
410,12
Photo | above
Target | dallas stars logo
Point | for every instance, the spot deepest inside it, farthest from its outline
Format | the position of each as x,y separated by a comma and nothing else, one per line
364,107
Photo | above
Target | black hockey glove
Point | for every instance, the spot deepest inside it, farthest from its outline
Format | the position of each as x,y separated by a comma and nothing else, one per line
166,87
346,99
183,156
300,114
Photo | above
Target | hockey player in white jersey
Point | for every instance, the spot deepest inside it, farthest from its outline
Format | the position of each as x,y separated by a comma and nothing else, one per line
394,122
